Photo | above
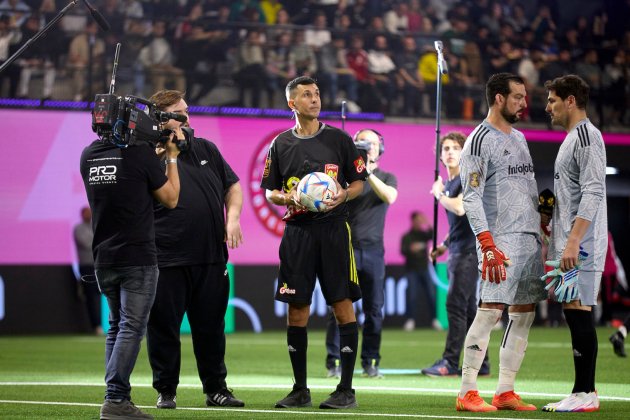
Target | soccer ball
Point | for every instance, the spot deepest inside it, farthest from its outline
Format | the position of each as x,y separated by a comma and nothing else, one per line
314,188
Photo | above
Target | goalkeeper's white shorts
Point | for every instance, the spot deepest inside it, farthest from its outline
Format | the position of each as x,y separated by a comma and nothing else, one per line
588,287
523,285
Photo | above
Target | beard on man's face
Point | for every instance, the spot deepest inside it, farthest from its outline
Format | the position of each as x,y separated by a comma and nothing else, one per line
510,118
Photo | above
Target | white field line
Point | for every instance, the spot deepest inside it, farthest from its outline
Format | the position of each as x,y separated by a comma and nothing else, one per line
325,387
278,411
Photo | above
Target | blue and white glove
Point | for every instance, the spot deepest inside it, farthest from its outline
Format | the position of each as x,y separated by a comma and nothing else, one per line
567,290
565,283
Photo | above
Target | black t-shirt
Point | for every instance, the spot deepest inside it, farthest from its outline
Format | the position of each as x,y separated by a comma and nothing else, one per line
119,183
416,260
367,214
330,150
460,234
193,232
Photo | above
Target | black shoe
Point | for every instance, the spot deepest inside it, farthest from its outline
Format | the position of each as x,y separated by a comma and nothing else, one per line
166,400
122,410
299,397
617,341
341,398
223,398
372,371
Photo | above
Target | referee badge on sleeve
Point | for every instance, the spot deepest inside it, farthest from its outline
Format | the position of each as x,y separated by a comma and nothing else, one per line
359,165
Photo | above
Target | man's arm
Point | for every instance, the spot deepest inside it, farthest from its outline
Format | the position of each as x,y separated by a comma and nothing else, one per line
386,193
233,206
168,194
452,204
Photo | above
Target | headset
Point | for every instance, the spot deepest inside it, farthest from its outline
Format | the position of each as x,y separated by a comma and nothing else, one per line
381,140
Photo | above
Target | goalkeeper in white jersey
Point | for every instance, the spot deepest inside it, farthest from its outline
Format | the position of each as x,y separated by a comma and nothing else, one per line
579,233
500,199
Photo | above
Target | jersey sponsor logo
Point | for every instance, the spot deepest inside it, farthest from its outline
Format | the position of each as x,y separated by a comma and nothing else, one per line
521,169
284,290
473,179
105,174
267,214
359,165
331,170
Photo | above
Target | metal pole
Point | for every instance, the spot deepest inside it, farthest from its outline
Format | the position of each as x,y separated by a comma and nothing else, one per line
442,69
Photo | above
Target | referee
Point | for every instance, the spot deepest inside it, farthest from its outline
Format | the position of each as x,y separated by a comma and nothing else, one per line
315,245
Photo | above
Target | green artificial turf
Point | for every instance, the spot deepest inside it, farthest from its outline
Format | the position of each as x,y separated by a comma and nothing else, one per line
62,377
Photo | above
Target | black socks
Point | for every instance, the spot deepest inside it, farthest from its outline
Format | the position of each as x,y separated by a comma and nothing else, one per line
297,343
348,345
584,341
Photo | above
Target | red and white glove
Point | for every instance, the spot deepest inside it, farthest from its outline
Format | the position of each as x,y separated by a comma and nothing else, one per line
493,261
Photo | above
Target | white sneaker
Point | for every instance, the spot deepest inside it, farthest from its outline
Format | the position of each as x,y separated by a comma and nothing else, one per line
409,325
579,402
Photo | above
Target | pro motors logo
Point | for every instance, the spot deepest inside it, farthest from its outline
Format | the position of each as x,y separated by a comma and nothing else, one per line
267,213
105,174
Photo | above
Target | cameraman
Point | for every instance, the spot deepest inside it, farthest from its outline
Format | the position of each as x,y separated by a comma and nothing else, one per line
192,241
121,184
367,224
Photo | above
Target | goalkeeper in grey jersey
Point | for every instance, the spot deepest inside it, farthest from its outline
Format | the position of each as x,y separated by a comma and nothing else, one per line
500,199
579,231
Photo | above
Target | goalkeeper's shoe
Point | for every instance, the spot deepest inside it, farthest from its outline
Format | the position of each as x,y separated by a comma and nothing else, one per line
510,400
473,402
578,402
617,341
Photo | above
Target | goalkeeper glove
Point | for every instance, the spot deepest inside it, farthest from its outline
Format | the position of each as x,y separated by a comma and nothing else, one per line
567,290
493,261
565,283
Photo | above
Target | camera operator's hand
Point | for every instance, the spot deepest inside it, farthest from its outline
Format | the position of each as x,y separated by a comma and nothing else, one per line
172,151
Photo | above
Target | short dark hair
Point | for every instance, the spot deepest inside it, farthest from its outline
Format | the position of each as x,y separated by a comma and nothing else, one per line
293,84
455,136
165,98
500,83
568,85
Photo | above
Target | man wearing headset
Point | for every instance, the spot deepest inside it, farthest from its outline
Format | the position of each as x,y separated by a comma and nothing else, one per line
367,224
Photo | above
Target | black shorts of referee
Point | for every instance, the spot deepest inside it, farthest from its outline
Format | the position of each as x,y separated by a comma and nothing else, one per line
317,251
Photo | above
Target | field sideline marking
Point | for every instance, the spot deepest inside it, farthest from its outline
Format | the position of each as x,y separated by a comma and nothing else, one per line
325,387
278,411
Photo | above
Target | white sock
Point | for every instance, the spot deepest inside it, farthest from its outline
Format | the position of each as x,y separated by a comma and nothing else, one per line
476,345
513,348
623,330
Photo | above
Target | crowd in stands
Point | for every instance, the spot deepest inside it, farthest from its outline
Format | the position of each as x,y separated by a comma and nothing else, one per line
378,55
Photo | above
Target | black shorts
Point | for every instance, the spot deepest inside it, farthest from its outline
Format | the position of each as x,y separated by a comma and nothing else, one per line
322,251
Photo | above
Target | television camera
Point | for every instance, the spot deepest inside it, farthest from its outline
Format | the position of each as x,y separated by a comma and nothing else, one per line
121,121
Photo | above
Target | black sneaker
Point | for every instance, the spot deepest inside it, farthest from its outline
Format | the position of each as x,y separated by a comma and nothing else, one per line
341,398
371,371
223,398
125,409
441,368
298,397
166,400
617,341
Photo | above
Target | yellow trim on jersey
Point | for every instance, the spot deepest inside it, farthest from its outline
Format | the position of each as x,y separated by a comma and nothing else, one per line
354,276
